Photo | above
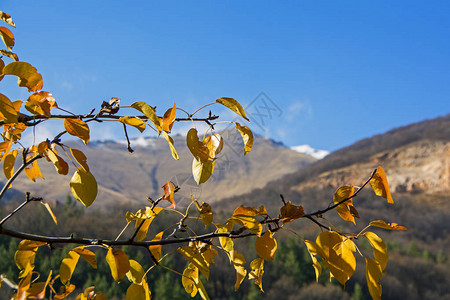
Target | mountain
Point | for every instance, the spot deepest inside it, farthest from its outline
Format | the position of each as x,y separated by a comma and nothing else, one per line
307,149
125,177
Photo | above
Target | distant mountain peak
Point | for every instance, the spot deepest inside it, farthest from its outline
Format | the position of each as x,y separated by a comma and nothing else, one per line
307,149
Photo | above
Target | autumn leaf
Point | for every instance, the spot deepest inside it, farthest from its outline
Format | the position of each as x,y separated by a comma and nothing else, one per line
66,291
136,272
373,277
9,54
77,128
214,143
28,76
67,267
197,148
195,257
135,122
206,214
247,137
225,242
49,209
248,222
388,226
149,112
202,170
238,261
345,209
169,190
25,255
40,103
233,105
168,119
313,252
380,185
171,145
7,37
80,158
37,289
380,252
7,18
8,164
250,211
266,246
84,187
290,212
156,249
257,271
7,110
60,165
118,263
34,171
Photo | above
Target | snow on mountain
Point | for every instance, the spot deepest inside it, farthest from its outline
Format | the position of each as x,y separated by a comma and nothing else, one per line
307,149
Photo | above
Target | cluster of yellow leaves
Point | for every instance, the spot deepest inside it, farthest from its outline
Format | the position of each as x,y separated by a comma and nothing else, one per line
144,218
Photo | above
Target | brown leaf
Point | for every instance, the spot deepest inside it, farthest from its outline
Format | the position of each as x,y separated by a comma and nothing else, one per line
77,128
7,37
290,212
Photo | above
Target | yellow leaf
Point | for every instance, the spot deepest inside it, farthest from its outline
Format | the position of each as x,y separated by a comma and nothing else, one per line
136,292
37,289
238,261
136,272
266,246
202,170
206,214
380,185
248,222
135,122
66,290
60,165
247,137
118,263
379,249
8,164
250,211
194,256
172,147
7,18
197,148
169,118
84,187
337,256
7,110
290,212
389,226
313,252
190,279
156,249
233,105
30,245
25,255
373,277
40,103
226,242
87,255
77,128
9,54
257,271
28,76
50,212
214,143
80,158
67,267
344,208
2,65
169,190
149,112
7,37
34,171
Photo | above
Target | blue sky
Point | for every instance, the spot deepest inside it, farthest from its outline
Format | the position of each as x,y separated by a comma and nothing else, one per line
334,72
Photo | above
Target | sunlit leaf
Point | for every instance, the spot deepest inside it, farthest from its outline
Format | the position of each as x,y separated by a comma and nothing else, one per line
290,212
248,222
344,209
233,105
7,110
202,170
389,226
337,256
7,37
118,263
7,18
67,267
312,249
190,279
40,103
2,65
136,272
257,271
37,289
84,187
87,255
169,189
8,164
77,128
171,145
156,249
34,171
169,118
136,292
60,165
25,255
80,158
266,246
238,261
149,112
373,277
226,242
49,209
247,137
135,122
28,76
379,249
206,214
197,148
66,291
250,211
214,143
9,54
194,256
380,185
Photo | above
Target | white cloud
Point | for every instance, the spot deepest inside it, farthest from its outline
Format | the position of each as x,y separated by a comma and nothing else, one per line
299,108
38,134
